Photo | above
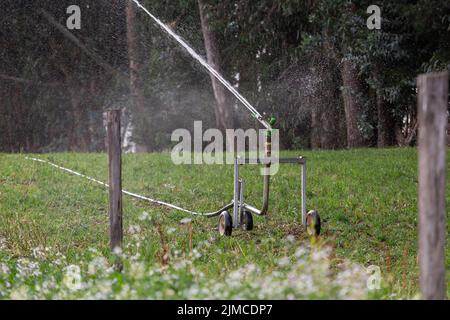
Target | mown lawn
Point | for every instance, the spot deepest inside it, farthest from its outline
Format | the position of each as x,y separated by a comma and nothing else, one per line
367,200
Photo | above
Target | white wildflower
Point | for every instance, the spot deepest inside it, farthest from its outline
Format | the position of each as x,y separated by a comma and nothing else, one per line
72,278
134,229
137,270
300,252
4,269
97,264
290,238
3,244
186,221
283,262
27,268
20,293
117,251
39,253
144,216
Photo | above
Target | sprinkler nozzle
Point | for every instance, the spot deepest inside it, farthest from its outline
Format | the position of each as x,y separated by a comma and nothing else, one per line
272,120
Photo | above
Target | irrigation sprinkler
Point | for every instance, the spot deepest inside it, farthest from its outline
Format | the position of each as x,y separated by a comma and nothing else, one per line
242,212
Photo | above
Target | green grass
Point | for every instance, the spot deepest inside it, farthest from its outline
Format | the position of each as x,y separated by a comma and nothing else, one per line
367,200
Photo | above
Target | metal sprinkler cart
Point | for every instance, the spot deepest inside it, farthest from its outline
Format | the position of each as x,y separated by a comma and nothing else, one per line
242,212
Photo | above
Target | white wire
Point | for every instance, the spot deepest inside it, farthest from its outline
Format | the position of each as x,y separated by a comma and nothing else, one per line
134,195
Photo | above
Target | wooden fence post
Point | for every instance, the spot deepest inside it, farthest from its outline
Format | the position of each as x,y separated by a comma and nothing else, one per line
115,179
432,115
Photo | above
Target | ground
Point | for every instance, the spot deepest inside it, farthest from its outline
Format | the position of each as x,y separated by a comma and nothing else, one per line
367,199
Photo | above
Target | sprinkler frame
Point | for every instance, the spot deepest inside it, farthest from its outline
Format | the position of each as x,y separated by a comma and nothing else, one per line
239,187
239,206
310,220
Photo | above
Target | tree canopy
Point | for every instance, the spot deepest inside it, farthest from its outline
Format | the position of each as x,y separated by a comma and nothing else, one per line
313,64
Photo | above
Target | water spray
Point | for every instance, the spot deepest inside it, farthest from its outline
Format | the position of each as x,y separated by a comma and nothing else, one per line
208,67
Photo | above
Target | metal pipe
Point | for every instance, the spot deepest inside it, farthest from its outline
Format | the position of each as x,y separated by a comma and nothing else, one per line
252,209
303,177
266,173
236,193
241,200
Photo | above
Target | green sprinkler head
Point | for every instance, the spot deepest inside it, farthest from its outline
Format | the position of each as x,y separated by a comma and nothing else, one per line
272,120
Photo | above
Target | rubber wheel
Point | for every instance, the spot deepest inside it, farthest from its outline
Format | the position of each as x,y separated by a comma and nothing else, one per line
246,221
225,224
313,223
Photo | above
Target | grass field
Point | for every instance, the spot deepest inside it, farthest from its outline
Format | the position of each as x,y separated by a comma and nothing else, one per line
54,229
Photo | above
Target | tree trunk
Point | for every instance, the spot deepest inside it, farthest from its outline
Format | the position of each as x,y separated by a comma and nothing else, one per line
18,109
77,139
315,129
332,136
135,66
352,103
77,118
385,137
223,111
326,107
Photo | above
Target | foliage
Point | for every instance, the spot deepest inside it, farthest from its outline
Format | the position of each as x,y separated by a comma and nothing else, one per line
305,274
271,51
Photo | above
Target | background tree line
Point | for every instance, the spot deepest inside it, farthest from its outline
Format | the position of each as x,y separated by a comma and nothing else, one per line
330,81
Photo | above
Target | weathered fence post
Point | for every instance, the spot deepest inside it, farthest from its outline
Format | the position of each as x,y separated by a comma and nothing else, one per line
115,180
432,115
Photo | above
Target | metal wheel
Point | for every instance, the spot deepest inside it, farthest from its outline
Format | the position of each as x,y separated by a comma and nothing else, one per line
246,221
313,223
225,224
